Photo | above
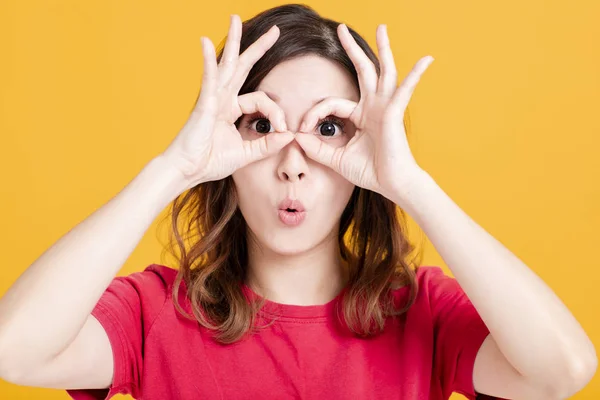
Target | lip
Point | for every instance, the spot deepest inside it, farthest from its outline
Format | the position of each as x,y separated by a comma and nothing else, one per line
291,218
292,204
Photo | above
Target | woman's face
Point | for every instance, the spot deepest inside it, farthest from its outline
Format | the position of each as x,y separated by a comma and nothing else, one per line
296,85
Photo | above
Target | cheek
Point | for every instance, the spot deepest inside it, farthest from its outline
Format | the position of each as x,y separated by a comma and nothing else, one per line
244,182
252,188
339,190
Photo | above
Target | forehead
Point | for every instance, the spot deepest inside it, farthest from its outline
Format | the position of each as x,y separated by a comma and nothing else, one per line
299,83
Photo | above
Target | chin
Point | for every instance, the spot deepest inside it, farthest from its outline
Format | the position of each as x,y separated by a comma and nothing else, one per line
291,241
288,245
270,234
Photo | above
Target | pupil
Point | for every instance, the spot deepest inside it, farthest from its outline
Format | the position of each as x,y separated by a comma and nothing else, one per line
263,124
327,129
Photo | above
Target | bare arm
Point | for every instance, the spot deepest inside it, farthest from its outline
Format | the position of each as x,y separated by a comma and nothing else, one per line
47,336
44,310
537,349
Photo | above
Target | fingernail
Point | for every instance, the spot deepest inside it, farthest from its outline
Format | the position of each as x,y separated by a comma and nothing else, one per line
302,127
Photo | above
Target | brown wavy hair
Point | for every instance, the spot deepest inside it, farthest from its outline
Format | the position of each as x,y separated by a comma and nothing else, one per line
373,238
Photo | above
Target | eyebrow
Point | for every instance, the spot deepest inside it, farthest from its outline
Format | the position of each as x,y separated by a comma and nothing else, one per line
276,98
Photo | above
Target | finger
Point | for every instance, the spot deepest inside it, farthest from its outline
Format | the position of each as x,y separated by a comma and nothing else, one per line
389,76
251,55
367,75
265,146
259,101
339,107
232,49
207,98
319,150
404,92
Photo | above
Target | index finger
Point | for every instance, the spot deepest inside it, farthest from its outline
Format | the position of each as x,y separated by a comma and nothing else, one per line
339,107
232,49
367,75
252,54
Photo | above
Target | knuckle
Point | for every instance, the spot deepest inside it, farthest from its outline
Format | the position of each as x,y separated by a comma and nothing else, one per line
263,146
261,95
242,64
257,101
246,150
364,66
227,60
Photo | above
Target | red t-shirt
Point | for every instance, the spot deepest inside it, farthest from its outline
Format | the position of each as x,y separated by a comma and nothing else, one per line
158,354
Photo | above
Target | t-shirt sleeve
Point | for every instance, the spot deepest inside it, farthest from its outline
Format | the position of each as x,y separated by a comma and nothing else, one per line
459,332
126,311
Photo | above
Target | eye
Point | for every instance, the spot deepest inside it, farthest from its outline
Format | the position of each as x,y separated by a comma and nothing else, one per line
263,125
327,126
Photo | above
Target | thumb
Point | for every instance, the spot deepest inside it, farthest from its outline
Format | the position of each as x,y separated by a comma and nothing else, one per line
266,146
318,150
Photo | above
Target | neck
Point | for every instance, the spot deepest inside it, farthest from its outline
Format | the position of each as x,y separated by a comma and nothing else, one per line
312,277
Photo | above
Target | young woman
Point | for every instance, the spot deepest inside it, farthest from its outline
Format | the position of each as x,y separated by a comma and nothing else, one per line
289,185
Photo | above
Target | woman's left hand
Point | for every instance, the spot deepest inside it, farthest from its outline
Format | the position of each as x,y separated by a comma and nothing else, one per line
377,157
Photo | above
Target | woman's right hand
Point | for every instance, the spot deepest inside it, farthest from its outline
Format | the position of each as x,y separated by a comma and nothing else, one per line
209,147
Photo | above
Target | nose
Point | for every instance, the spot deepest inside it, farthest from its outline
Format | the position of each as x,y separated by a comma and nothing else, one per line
292,166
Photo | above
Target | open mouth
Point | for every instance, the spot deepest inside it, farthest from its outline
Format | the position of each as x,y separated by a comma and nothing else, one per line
291,216
291,212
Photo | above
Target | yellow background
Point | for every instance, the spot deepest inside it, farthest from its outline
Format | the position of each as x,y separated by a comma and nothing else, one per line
505,119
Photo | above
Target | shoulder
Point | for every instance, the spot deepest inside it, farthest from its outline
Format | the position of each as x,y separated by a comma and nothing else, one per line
153,284
432,274
430,281
156,272
435,292
139,295
154,278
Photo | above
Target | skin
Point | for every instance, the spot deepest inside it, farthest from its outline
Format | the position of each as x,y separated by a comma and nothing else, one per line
296,265
536,348
544,355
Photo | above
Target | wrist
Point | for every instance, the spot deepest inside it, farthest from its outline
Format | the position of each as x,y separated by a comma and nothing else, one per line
167,182
413,186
